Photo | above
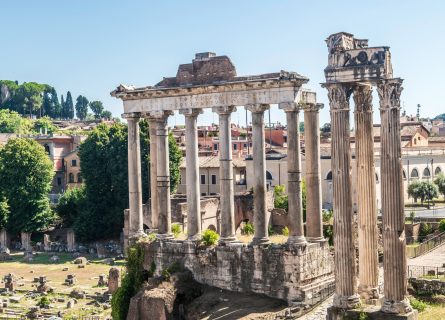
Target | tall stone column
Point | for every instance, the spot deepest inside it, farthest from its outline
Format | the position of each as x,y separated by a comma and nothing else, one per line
160,120
368,264
192,172
226,175
260,215
295,212
346,296
394,242
134,176
314,219
153,175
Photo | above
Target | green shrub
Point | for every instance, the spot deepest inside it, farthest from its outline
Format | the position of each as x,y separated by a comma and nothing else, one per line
248,229
209,237
176,229
285,231
418,305
425,229
270,230
328,232
131,283
280,197
442,225
412,216
44,301
327,215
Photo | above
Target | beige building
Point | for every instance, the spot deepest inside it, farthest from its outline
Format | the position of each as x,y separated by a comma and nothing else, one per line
209,176
73,176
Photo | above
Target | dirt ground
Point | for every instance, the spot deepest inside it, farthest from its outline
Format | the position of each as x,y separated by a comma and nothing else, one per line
87,279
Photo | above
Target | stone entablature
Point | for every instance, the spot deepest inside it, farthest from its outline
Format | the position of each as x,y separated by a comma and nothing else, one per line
297,275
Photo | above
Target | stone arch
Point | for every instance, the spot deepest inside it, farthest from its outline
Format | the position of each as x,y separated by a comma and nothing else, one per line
426,173
211,227
79,177
47,149
329,176
437,171
71,177
268,176
414,174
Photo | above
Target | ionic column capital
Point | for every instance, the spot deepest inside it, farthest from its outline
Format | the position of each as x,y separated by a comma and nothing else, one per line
191,112
289,106
389,93
224,110
257,107
363,98
131,115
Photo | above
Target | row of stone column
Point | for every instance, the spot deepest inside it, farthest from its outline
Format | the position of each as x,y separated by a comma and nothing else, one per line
395,282
160,179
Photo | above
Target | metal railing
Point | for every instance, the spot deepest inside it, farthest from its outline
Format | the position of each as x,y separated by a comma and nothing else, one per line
426,246
426,272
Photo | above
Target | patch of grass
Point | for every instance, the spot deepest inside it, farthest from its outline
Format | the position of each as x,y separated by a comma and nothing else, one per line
418,304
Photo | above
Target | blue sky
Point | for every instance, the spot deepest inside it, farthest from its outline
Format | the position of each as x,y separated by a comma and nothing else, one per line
89,47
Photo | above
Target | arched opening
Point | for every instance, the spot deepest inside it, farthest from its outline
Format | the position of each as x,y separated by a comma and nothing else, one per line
426,173
414,174
404,174
79,177
268,176
212,227
47,149
329,176
437,171
71,178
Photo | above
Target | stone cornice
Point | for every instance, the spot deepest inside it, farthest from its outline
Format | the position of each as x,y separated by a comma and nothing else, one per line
289,107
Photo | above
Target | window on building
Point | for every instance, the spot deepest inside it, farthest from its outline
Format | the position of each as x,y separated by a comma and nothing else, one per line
329,176
59,181
180,178
213,178
235,146
414,174
426,173
245,146
74,163
437,170
203,179
47,150
404,174
215,146
79,177
71,177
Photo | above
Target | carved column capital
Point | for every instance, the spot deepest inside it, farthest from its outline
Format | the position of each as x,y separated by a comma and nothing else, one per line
311,107
191,112
131,115
257,107
289,106
389,93
363,98
159,115
338,94
224,110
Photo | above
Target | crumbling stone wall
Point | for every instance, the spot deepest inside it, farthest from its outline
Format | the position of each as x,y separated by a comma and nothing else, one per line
297,275
427,286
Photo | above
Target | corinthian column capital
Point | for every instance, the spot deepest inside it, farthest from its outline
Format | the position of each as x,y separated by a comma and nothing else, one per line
160,115
389,93
338,95
289,106
256,107
190,112
363,98
224,110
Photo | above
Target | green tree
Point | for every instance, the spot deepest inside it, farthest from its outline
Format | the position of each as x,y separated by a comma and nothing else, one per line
106,115
81,107
440,182
97,107
69,106
70,204
103,159
423,190
56,108
8,92
12,122
44,123
29,97
301,127
326,128
62,107
280,197
26,173
4,212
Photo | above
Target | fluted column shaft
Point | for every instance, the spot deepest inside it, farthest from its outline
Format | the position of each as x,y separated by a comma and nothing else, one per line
260,215
153,175
226,175
136,227
192,172
163,173
345,278
314,219
366,194
295,207
394,242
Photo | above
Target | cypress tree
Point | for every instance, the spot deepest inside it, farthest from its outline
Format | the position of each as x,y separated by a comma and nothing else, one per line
69,106
62,108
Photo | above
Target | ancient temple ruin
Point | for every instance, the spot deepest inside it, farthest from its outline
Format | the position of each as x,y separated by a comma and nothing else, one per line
299,272
354,69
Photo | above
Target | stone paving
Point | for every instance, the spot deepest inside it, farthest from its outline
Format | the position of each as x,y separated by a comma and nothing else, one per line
435,258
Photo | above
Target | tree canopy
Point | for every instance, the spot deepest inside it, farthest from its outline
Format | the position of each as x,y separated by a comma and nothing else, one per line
440,182
423,190
81,107
97,108
26,173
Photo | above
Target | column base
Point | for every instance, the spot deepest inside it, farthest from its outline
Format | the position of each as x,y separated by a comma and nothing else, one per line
346,302
370,295
370,313
396,307
165,236
227,241
260,241
296,241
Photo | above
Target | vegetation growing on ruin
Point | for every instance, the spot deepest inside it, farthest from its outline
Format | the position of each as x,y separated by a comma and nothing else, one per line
209,238
248,229
176,229
132,281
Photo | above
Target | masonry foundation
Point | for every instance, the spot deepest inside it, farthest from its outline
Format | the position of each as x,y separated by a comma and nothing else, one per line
301,276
